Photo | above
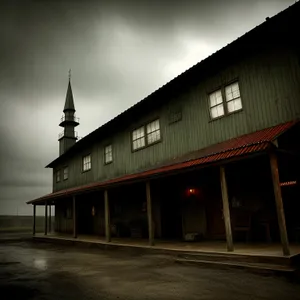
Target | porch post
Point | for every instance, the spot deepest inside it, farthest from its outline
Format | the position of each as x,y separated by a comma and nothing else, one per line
226,211
149,214
46,217
34,213
107,217
50,218
279,204
74,219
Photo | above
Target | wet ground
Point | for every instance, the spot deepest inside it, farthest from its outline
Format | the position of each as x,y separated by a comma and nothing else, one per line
45,271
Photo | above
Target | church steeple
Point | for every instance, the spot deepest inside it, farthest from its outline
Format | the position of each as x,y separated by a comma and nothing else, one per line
69,121
69,104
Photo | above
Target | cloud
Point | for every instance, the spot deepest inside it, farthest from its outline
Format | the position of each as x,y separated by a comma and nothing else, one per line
119,52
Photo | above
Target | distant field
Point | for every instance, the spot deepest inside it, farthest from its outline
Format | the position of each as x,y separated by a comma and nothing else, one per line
21,224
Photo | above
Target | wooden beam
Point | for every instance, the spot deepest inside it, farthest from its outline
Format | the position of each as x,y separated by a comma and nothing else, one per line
46,218
149,214
279,204
226,211
107,217
50,218
74,218
34,214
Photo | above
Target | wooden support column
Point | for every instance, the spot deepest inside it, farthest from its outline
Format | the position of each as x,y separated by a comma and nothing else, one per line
149,214
33,225
50,218
46,218
74,218
226,211
107,217
279,204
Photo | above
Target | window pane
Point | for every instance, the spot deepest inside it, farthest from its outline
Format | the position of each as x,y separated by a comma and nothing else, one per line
215,98
212,100
234,105
217,111
232,91
139,143
238,103
153,126
134,145
230,106
108,149
219,97
220,109
153,137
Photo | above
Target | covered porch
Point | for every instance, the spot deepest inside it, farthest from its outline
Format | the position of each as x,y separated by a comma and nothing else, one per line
240,199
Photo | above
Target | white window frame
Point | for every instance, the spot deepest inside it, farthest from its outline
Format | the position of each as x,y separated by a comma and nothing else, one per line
108,154
221,100
86,163
141,137
57,176
66,173
233,96
153,130
138,138
216,103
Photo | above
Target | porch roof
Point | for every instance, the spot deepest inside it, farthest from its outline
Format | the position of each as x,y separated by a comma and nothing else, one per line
251,143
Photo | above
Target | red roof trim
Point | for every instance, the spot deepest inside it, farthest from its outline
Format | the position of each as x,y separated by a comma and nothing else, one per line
246,144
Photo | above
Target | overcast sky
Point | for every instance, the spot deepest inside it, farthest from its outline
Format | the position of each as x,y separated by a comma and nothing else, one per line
118,52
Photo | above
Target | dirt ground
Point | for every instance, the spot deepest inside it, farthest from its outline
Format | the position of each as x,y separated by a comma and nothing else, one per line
45,271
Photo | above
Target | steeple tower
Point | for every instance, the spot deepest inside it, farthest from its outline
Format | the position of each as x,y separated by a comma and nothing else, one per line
69,121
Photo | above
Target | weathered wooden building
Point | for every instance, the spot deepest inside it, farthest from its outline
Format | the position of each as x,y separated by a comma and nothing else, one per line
213,154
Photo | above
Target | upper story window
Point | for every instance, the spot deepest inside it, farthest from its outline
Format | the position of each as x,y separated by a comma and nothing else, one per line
108,158
58,176
175,116
216,104
138,138
225,100
66,173
233,97
86,163
153,132
146,135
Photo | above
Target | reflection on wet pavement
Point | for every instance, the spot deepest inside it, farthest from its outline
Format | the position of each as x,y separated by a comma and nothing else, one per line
46,271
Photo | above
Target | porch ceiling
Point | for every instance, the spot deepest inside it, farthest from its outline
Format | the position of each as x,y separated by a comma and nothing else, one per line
255,142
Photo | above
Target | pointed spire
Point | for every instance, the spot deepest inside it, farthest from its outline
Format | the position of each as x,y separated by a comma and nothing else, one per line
69,104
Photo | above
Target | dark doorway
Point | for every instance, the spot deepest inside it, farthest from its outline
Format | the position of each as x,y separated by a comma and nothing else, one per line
90,215
171,211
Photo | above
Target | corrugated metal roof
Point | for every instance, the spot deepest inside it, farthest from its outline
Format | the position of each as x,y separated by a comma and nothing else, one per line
247,144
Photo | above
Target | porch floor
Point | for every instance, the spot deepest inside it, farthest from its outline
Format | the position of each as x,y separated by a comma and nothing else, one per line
258,249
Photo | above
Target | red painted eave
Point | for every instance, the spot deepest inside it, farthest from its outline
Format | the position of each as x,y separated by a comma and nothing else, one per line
247,144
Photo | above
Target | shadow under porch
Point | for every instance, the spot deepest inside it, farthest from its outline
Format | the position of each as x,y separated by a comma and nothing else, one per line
186,206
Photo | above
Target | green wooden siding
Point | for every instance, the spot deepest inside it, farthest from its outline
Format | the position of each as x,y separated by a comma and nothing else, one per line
270,90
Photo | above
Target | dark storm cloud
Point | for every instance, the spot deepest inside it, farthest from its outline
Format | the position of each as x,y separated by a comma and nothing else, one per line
119,52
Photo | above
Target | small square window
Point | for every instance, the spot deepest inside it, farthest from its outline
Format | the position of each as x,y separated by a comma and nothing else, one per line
175,116
138,138
58,176
108,154
66,173
86,163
